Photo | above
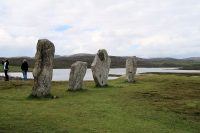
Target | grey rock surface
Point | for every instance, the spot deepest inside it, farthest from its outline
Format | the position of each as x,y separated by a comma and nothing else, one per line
100,68
77,73
43,68
131,68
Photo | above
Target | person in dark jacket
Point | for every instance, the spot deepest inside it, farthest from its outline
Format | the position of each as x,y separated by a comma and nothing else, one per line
5,64
24,68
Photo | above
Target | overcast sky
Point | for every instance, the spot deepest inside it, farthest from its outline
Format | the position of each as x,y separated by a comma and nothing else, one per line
143,28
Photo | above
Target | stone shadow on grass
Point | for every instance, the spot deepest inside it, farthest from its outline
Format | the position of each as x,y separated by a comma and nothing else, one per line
50,96
104,87
80,90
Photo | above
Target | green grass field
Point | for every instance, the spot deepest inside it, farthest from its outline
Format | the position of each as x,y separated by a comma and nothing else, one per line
156,103
14,69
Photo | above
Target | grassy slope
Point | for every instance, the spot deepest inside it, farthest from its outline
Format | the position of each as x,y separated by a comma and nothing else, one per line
154,104
14,69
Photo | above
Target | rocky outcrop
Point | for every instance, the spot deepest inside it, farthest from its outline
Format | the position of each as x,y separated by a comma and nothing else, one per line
43,68
100,68
131,68
77,73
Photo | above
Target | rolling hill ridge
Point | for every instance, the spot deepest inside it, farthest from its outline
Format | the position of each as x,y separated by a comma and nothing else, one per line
116,61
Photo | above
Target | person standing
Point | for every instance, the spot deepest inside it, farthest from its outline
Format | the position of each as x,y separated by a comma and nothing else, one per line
24,68
5,64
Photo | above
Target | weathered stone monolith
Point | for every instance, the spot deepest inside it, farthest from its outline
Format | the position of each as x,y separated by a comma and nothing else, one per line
43,68
77,73
131,68
100,68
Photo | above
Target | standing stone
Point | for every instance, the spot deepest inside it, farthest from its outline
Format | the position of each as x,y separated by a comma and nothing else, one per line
77,73
43,68
100,68
131,68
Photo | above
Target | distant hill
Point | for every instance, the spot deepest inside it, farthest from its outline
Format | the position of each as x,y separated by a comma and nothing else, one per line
116,61
80,55
193,58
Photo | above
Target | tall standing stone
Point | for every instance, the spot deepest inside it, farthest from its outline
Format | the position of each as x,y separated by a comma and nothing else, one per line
43,68
77,73
100,68
131,68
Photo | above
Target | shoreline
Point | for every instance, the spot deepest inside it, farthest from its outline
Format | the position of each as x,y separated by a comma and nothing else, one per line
11,78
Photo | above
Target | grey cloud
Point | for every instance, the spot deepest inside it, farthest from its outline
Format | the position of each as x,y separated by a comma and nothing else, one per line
146,28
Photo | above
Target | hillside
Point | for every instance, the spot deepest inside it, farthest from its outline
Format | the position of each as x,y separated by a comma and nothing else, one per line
117,61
